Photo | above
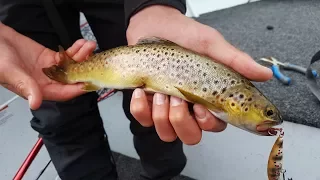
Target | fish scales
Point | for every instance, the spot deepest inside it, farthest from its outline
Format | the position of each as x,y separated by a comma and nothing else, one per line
163,66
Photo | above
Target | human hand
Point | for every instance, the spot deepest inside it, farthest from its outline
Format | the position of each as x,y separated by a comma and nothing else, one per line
170,115
21,63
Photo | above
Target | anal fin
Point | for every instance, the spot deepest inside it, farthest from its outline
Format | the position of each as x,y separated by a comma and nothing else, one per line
90,87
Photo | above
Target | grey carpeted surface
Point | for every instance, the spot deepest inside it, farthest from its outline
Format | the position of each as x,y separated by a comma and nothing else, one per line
130,168
295,38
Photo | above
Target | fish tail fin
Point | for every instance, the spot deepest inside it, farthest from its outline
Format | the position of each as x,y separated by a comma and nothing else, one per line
58,72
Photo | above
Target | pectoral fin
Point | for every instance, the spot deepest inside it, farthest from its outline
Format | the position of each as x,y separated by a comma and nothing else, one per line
199,100
90,87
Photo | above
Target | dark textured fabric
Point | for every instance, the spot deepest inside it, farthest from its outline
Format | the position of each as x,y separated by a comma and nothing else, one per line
73,131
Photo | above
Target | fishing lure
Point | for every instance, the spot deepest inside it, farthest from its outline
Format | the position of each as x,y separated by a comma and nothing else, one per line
275,161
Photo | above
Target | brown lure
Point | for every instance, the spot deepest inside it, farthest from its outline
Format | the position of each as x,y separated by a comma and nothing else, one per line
276,158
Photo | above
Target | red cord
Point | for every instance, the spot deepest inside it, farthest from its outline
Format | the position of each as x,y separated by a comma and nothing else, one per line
28,161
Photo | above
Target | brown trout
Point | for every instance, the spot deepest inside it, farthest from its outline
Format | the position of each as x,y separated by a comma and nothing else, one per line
159,65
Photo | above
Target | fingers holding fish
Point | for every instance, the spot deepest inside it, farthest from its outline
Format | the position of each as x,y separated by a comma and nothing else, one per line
81,49
185,126
140,108
160,116
207,121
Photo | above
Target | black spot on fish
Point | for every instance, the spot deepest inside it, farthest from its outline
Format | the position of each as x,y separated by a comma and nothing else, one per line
166,53
215,93
158,68
216,82
225,81
104,53
178,61
172,49
172,54
246,109
232,104
154,49
194,82
198,65
241,96
231,95
204,89
187,55
180,83
223,90
242,81
214,67
207,64
173,66
144,50
228,74
232,81
158,55
242,104
250,99
187,71
204,74
137,51
182,56
147,55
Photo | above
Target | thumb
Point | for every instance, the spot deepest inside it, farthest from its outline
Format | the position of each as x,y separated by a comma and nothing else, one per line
25,86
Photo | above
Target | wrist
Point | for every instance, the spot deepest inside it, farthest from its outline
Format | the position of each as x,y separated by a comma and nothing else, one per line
152,13
151,20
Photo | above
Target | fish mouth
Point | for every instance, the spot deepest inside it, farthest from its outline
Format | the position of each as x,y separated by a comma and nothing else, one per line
267,128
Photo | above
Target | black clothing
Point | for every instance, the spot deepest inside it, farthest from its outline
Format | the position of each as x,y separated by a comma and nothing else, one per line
73,131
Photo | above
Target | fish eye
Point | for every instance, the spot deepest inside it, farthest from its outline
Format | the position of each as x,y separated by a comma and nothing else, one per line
269,112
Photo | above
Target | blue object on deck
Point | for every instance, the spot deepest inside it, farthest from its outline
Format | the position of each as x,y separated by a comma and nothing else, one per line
288,66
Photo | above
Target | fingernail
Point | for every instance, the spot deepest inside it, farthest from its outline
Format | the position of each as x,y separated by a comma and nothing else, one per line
159,98
200,113
174,101
138,93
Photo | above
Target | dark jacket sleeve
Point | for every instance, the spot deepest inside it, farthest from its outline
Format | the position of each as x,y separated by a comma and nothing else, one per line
131,7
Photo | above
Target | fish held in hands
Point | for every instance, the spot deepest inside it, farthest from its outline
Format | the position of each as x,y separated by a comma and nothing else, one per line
159,65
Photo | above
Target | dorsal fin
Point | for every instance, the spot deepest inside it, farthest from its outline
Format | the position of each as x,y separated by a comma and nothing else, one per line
153,39
65,60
